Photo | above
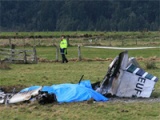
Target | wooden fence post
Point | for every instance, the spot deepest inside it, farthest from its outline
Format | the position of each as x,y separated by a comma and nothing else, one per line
25,57
34,41
79,53
110,42
24,42
35,55
12,52
68,41
57,53
10,43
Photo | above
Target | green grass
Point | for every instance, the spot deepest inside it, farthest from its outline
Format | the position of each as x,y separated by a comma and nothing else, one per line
52,73
82,111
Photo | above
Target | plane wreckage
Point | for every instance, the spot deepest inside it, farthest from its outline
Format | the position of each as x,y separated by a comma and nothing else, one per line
124,78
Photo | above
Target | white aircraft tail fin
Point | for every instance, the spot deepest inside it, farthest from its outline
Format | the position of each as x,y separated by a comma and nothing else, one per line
125,78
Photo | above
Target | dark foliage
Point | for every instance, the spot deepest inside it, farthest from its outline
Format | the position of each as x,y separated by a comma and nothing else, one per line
72,15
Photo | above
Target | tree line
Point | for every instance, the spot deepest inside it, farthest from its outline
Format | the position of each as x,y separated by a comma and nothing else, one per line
79,15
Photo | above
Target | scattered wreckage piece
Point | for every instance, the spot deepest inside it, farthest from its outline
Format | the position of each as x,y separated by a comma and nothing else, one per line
125,78
2,96
25,94
45,98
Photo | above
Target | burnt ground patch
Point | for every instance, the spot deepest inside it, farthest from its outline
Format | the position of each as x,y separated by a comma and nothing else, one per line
15,88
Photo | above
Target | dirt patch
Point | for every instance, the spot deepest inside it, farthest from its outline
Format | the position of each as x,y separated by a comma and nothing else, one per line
9,89
4,65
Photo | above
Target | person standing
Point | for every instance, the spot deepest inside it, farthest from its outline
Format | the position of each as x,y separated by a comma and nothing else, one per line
63,49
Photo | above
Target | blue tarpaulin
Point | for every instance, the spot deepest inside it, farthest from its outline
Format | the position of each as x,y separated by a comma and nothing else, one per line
71,92
74,92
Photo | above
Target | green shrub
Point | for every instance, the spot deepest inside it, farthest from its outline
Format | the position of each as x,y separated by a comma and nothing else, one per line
150,64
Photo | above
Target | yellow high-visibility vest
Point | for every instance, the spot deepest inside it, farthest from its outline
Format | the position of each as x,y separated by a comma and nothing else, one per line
63,43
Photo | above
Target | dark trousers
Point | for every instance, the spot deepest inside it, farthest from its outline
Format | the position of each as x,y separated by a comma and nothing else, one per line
64,59
63,52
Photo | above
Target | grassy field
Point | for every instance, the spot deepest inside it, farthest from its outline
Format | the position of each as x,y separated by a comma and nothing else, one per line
93,66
